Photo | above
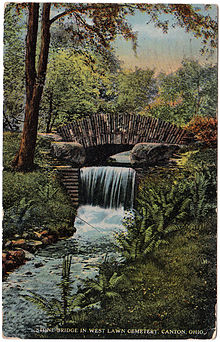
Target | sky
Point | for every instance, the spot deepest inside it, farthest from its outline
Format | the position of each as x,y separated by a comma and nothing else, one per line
156,50
159,51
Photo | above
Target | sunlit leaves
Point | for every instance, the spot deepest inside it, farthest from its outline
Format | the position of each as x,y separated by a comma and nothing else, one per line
77,85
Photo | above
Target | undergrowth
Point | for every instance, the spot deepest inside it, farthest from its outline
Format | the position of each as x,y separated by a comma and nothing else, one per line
167,281
33,200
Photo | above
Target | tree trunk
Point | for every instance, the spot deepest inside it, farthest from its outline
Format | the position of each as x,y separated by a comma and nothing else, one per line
50,112
24,160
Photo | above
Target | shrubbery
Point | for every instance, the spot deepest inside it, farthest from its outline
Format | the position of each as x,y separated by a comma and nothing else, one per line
205,130
168,277
33,200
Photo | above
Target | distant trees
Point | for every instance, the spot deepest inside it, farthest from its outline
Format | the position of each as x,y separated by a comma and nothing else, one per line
135,90
191,91
77,85
198,87
92,25
14,71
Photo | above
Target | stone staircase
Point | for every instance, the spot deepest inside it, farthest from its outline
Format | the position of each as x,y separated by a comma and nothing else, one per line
70,180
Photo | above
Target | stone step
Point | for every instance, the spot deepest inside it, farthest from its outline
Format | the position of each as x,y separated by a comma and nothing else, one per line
66,174
72,190
70,177
74,199
72,186
70,182
73,194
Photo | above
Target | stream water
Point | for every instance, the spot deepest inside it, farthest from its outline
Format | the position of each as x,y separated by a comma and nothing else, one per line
96,223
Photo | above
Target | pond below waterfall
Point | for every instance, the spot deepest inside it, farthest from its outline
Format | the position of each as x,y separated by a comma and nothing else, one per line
89,246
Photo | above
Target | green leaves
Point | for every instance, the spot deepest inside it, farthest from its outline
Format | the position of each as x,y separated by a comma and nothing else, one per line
18,218
163,209
75,87
191,90
135,90
14,73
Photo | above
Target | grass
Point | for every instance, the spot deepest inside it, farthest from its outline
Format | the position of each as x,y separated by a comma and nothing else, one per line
172,292
26,195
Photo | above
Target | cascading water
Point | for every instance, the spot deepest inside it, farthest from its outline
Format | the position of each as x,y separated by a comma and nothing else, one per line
108,187
106,192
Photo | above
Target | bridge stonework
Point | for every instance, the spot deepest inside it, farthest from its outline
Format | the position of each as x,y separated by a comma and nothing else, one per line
122,129
103,135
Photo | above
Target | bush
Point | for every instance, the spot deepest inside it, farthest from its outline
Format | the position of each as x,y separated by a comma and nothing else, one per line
10,147
205,130
33,200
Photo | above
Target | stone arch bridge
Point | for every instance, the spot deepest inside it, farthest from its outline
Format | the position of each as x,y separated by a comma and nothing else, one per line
107,134
95,138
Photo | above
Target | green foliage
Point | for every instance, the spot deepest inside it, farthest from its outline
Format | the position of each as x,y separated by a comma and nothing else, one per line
103,290
25,196
10,145
161,211
198,87
190,91
200,169
59,312
175,288
202,204
77,85
14,73
134,90
164,206
18,218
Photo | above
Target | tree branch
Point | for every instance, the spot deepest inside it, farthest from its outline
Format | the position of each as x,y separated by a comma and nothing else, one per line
79,10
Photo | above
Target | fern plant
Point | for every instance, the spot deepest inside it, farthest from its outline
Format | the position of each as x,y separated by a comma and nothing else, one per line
71,309
201,204
17,218
101,291
60,312
160,213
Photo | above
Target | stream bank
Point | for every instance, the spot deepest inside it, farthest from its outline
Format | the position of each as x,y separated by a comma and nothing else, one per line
21,249
95,224
89,246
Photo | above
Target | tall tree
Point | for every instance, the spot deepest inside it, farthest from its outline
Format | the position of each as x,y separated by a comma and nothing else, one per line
34,83
197,85
97,23
77,85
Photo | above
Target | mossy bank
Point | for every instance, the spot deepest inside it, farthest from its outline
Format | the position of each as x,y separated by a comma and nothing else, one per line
37,210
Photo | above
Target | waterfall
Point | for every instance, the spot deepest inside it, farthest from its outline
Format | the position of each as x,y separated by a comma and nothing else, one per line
108,187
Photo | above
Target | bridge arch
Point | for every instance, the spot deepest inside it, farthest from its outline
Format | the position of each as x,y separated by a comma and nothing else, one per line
121,129
103,135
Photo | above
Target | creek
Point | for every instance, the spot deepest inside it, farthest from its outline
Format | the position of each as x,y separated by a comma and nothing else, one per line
106,192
